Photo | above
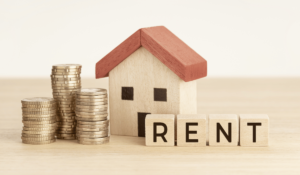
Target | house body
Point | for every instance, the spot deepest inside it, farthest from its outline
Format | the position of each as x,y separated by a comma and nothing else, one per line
152,71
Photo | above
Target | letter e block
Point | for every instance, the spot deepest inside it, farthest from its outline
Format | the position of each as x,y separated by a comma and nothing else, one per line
254,130
191,130
160,130
223,130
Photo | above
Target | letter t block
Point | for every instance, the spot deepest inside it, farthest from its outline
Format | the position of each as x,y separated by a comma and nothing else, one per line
254,130
191,130
223,130
160,130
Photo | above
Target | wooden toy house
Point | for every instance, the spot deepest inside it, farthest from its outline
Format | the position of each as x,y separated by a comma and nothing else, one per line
152,71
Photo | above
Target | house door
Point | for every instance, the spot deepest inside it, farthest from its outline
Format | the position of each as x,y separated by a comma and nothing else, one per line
141,123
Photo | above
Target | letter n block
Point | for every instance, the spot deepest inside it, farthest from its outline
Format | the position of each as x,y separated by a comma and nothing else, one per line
160,130
191,130
223,130
254,130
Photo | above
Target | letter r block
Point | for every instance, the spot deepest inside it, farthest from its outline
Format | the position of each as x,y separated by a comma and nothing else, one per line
254,130
160,130
191,130
223,130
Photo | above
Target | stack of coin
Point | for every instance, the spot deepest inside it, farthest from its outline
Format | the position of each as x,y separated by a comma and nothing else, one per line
66,81
91,115
39,119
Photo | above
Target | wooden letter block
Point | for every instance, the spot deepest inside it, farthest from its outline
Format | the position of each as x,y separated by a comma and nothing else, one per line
160,130
254,130
223,130
191,130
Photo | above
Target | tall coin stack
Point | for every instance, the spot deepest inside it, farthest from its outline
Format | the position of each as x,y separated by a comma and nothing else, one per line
39,119
91,115
66,81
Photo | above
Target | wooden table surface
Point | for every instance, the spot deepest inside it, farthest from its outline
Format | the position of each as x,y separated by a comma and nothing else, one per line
278,97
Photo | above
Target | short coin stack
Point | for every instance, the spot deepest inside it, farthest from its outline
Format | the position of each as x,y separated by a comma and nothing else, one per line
39,119
66,81
91,115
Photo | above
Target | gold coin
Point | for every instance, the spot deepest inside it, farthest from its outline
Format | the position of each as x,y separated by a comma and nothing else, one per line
39,119
65,73
38,142
37,101
66,114
39,112
69,122
65,82
66,79
64,93
38,132
40,126
66,135
91,133
66,88
92,116
66,138
91,110
66,85
52,105
92,126
65,106
103,104
39,122
91,107
87,100
89,103
84,142
66,132
98,97
65,76
93,123
66,103
39,129
66,70
92,91
66,129
90,119
66,126
94,139
66,66
38,135
37,139
38,109
91,129
64,98
66,118
80,136
90,113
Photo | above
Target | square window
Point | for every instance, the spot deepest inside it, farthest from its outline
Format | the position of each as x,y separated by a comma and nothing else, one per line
127,93
160,94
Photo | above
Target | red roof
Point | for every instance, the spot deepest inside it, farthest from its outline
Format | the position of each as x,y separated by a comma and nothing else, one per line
165,46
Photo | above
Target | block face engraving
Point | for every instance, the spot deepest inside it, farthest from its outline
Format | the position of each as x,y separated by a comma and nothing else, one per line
191,130
254,130
160,130
223,130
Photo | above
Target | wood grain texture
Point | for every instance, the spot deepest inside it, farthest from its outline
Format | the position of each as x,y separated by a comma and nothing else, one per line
225,121
197,137
144,72
117,55
247,137
277,97
164,129
163,44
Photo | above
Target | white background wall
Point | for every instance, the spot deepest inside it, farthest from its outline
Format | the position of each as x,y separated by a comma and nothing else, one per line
253,38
